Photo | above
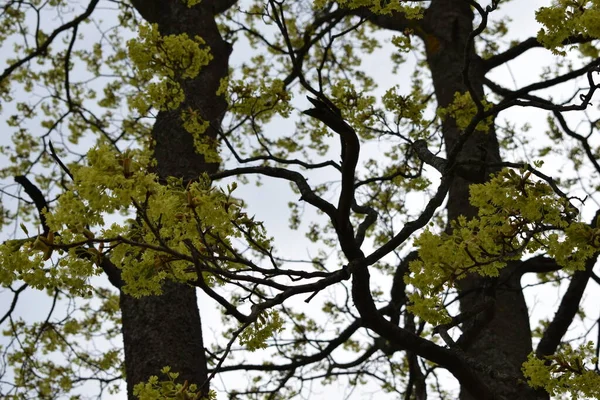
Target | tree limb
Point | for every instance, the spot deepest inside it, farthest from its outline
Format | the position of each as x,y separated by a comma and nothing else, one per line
568,308
527,44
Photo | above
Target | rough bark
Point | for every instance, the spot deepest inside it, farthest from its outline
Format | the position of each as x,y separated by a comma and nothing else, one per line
166,330
503,340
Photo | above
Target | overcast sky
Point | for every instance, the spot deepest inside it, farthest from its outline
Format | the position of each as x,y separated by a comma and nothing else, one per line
269,202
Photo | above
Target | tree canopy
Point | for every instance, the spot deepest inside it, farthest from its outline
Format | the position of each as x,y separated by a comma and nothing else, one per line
137,129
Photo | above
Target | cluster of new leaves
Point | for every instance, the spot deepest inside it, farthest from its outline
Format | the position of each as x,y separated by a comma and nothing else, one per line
383,7
463,109
516,215
184,231
255,336
176,224
565,372
162,63
169,60
568,18
53,353
155,389
259,98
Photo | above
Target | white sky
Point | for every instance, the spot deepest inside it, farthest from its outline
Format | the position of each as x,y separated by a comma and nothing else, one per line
269,202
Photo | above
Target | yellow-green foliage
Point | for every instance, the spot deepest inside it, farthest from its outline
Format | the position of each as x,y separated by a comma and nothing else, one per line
167,389
568,18
380,7
255,336
148,251
40,342
516,214
409,108
463,109
260,98
192,3
565,372
356,106
166,60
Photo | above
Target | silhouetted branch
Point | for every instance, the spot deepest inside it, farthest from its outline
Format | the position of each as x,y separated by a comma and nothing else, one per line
517,50
37,197
43,48
568,308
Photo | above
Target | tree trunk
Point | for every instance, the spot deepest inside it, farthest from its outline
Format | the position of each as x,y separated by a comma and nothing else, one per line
501,340
166,330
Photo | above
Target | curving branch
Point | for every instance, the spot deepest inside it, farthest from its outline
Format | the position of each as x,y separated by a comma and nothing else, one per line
568,308
38,199
453,361
527,44
395,21
326,112
370,219
13,303
110,269
539,264
425,155
301,361
43,48
515,94
307,194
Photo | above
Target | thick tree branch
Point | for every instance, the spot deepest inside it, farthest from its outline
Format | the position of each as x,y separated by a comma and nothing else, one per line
220,6
449,359
569,305
568,308
394,22
331,116
420,147
397,291
527,44
38,199
539,264
370,219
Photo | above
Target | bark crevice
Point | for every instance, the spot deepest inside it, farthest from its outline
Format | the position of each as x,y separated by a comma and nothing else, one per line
166,330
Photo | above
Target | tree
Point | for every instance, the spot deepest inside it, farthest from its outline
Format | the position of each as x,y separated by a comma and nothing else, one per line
170,121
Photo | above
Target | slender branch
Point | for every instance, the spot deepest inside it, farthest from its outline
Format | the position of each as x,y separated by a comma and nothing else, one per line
13,303
545,84
301,361
60,163
43,48
306,192
410,227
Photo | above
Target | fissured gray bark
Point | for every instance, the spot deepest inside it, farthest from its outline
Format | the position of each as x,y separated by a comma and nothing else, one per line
501,340
166,330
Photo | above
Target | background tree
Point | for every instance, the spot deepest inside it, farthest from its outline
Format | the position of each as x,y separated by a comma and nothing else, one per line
171,124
